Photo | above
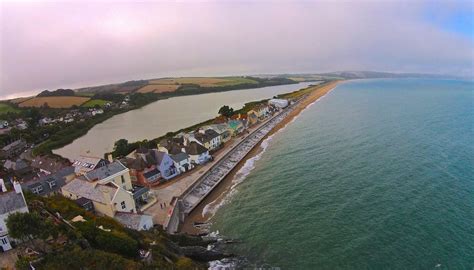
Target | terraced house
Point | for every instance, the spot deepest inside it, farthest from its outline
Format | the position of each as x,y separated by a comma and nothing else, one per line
107,199
208,138
108,189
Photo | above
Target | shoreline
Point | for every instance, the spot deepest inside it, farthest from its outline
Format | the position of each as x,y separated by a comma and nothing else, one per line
220,193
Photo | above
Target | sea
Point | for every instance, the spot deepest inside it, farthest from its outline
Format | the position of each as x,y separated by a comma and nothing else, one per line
377,174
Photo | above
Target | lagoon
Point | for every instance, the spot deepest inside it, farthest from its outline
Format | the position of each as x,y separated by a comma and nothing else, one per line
160,117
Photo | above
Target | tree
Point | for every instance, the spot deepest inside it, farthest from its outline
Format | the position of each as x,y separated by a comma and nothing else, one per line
121,148
34,116
226,111
29,226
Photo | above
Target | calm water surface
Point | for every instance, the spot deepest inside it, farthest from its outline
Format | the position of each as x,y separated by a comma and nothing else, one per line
379,174
160,117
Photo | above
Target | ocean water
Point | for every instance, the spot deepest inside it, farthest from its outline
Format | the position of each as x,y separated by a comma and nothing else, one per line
378,174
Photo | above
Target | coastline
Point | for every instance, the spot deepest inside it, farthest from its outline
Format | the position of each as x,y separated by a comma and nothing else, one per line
220,193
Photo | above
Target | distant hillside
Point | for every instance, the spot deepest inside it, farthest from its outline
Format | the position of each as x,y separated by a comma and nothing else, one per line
56,93
186,85
375,75
125,87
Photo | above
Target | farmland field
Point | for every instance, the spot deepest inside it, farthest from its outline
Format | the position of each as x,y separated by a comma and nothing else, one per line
6,108
93,102
203,81
158,88
54,102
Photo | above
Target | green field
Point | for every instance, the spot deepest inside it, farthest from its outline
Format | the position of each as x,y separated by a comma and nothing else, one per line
84,94
6,108
235,81
93,102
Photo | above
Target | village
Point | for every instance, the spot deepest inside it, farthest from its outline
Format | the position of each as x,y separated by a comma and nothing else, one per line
140,189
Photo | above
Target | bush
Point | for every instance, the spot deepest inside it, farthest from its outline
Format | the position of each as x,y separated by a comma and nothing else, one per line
86,259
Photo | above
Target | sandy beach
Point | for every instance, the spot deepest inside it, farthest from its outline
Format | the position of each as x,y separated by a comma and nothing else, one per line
221,191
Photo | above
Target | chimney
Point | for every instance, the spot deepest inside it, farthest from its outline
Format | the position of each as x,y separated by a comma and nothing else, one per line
3,188
17,187
110,158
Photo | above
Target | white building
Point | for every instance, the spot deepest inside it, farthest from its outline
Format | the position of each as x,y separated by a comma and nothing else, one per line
222,130
10,202
182,162
198,154
279,103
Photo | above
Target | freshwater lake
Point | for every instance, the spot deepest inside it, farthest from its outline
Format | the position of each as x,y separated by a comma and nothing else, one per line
160,117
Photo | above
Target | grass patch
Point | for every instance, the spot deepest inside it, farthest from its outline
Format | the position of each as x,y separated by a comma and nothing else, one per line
235,81
6,108
94,102
84,94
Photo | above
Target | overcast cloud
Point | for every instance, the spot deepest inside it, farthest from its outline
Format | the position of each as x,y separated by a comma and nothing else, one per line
72,44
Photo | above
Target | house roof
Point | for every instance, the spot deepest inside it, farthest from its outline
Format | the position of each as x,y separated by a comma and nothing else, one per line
151,173
219,128
105,171
179,157
135,163
131,220
174,149
142,150
138,191
58,177
159,156
82,201
85,163
211,133
17,165
17,143
203,138
91,191
11,201
48,164
195,148
173,145
234,124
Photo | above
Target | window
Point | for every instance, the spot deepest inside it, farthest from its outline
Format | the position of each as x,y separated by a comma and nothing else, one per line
4,241
52,184
123,205
37,189
123,179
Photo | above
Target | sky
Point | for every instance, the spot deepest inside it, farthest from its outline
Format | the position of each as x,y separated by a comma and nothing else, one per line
70,44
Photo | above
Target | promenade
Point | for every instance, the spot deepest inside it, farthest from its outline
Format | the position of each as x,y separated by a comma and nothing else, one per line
190,198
